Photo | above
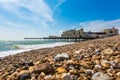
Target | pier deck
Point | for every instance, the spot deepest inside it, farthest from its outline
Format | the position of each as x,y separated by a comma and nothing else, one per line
64,39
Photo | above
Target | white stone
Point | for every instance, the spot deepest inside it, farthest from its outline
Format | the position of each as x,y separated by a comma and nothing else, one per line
62,56
48,76
98,66
118,74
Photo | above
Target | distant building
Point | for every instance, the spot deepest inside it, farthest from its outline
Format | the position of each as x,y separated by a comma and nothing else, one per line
69,33
73,33
111,32
96,34
80,33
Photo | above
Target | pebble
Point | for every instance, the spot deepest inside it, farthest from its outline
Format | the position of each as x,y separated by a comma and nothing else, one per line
105,64
45,67
48,77
100,76
25,76
89,60
118,78
61,57
107,51
23,72
61,70
97,67
67,77
118,74
42,74
97,51
31,69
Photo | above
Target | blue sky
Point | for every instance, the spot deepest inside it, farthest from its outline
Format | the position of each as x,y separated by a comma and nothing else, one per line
39,18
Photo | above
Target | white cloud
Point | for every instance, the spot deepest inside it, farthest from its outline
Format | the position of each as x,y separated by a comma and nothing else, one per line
99,25
8,1
60,2
20,23
41,13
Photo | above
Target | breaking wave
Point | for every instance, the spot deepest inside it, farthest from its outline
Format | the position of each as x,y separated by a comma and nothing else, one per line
22,48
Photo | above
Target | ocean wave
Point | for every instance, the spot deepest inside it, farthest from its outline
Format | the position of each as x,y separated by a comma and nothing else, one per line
23,48
15,47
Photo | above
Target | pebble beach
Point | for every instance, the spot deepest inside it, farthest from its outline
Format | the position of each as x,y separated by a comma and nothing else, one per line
97,59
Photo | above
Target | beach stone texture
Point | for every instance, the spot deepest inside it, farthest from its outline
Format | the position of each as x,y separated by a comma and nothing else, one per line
97,59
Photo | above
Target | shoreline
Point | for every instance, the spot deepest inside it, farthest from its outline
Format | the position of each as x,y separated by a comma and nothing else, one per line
27,48
98,53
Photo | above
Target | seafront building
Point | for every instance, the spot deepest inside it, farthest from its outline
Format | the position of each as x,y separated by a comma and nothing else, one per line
80,33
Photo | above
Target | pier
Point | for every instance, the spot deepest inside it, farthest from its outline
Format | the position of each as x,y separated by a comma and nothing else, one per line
79,35
63,39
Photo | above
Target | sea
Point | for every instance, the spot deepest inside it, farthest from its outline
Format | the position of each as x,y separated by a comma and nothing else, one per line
13,47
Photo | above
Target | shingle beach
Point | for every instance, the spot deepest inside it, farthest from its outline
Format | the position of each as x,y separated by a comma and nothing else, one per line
97,59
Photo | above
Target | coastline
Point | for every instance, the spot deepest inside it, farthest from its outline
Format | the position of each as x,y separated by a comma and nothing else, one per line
27,48
81,54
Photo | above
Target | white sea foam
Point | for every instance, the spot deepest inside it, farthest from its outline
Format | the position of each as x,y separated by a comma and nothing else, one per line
24,48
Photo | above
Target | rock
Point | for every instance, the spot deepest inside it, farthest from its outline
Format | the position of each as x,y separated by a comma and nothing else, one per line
42,74
29,64
58,76
89,72
82,77
118,74
61,57
67,77
95,57
116,53
105,64
31,69
100,76
1,78
71,66
45,67
118,48
5,75
36,63
24,77
47,77
80,51
73,71
117,66
82,70
118,78
33,78
69,61
23,72
85,64
112,63
97,62
77,52
61,70
107,51
12,76
97,51
117,60
97,67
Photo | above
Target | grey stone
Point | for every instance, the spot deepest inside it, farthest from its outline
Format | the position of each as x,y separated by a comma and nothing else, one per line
67,77
100,76
25,76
